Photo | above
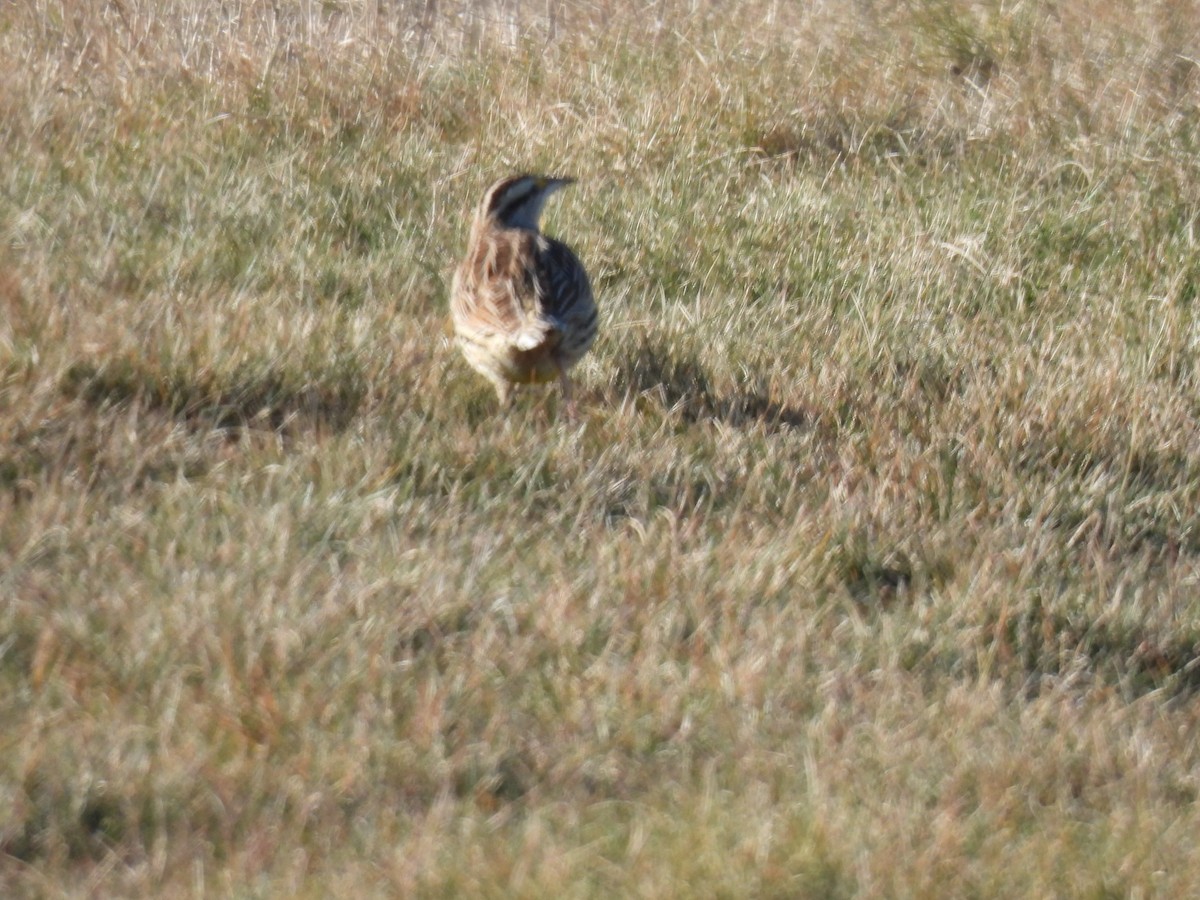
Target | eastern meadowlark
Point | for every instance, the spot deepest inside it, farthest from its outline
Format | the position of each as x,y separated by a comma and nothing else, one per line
521,302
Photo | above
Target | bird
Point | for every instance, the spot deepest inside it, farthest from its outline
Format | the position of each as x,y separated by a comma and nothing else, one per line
521,303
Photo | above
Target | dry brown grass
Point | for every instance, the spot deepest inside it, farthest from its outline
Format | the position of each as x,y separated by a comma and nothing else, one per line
870,569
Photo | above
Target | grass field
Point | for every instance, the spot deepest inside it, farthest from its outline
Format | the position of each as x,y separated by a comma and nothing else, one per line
871,566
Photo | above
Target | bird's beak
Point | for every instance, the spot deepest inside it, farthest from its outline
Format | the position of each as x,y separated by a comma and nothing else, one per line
553,184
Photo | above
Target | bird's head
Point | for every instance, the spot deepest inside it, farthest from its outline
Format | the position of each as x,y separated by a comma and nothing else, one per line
517,202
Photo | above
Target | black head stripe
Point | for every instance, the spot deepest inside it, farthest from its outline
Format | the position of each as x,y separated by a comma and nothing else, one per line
508,195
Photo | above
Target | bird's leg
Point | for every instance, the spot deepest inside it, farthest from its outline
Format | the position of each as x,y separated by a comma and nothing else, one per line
568,396
504,392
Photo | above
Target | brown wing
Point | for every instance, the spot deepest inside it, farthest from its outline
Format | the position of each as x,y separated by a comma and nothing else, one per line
563,290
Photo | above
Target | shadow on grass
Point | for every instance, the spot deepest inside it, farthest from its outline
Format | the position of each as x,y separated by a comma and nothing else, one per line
682,385
86,834
1042,642
20,466
247,397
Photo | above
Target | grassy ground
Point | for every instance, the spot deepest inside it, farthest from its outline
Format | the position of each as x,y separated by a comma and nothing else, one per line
870,569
